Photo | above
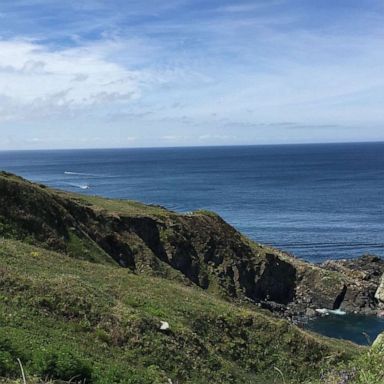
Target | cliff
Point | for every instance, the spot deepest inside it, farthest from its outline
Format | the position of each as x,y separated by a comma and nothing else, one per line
197,249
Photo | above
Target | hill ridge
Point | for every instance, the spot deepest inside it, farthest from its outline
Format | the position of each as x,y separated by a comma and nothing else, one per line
197,248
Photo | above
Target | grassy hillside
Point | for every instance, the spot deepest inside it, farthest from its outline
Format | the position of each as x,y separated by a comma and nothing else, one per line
197,248
64,317
69,311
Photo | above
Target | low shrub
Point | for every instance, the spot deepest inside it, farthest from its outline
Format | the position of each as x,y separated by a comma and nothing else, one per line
63,364
9,353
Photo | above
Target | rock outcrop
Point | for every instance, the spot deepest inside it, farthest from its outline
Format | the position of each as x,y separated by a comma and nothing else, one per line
198,248
379,294
362,278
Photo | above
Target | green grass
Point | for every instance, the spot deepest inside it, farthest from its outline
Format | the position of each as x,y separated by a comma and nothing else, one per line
86,249
118,207
68,311
366,369
63,317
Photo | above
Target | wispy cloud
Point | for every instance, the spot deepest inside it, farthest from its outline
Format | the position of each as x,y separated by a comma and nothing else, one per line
241,7
36,79
157,71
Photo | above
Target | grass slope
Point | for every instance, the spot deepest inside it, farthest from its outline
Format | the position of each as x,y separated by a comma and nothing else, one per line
68,311
65,317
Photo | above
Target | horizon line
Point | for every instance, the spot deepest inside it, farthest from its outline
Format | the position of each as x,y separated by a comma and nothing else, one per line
191,146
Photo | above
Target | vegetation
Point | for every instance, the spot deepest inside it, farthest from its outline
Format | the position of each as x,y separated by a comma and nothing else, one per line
118,207
65,317
70,313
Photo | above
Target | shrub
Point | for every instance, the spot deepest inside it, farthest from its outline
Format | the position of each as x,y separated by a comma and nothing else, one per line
8,365
9,354
62,364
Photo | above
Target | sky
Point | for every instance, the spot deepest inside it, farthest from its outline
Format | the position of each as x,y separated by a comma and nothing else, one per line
143,73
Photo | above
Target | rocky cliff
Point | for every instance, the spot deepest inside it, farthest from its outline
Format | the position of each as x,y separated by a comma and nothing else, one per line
197,249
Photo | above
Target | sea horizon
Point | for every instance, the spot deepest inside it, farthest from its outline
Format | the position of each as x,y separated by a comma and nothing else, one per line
192,146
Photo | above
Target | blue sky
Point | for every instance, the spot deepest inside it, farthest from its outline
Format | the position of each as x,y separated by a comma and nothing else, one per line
114,73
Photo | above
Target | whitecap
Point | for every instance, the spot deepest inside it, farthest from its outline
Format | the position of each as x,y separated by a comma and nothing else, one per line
77,173
325,311
80,186
337,312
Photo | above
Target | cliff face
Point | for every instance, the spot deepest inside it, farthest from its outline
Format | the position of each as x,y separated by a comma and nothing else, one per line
362,279
199,249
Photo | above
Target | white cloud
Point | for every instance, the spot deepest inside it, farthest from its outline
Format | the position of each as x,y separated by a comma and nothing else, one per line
248,7
37,81
236,75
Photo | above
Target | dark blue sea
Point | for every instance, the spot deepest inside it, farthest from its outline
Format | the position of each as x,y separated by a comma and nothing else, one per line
316,201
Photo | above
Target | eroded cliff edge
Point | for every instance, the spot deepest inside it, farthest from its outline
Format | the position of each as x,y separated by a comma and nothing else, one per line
198,248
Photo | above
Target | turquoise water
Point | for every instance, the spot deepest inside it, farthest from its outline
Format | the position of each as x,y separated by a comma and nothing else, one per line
357,328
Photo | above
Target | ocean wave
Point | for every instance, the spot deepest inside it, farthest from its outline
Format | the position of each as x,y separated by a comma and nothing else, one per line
90,175
80,186
325,311
78,174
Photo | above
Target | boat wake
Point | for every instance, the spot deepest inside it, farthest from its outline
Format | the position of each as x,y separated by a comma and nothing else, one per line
78,174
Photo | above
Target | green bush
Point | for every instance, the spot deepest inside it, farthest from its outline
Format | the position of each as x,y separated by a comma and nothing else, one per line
129,375
8,365
8,357
62,364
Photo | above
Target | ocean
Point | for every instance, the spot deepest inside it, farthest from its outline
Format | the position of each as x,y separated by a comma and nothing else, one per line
316,201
